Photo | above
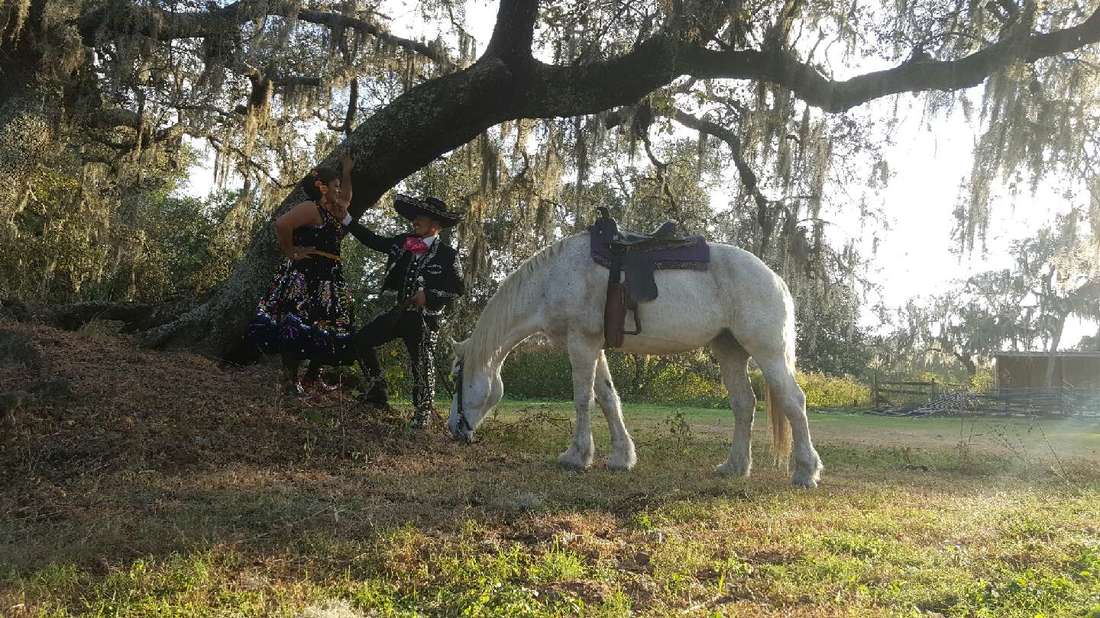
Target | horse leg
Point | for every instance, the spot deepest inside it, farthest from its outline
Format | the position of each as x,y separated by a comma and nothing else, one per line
622,446
785,394
734,361
582,358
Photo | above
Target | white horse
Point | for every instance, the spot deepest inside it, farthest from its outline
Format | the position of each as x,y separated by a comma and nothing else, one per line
739,307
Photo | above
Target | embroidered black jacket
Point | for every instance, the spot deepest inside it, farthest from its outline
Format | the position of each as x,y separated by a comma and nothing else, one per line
438,272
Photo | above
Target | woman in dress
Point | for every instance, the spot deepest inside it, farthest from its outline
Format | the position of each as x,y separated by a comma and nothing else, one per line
306,313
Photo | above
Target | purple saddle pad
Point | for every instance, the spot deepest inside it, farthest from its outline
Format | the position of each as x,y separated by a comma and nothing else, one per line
638,263
693,254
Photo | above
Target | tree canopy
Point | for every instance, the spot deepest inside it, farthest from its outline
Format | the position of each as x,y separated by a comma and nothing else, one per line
1055,275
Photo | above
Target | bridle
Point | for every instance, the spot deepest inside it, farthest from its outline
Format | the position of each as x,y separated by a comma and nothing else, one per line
463,423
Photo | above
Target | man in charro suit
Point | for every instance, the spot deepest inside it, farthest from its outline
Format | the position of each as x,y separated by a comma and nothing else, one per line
422,277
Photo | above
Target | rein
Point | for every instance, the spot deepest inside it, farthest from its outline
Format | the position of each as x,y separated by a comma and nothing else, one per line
462,422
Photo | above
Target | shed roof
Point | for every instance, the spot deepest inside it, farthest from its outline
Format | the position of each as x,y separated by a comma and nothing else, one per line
1060,354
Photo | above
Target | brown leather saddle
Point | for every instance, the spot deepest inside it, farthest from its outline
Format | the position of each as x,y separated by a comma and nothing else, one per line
638,256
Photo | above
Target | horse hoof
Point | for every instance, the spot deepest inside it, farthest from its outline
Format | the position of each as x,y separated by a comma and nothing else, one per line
732,469
806,473
804,479
622,463
572,461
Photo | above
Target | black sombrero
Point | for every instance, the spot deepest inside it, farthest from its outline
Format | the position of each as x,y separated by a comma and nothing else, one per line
410,208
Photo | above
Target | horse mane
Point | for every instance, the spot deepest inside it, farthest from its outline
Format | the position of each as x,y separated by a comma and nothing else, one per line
493,323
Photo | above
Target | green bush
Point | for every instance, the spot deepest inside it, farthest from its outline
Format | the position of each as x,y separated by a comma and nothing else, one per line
540,372
677,384
824,391
982,381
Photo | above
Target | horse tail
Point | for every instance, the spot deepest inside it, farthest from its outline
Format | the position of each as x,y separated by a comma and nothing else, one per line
781,430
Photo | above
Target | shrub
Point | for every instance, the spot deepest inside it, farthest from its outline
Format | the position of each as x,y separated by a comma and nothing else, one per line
540,372
677,384
982,382
824,391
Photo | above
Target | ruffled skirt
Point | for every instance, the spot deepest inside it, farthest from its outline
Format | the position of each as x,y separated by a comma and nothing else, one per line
306,312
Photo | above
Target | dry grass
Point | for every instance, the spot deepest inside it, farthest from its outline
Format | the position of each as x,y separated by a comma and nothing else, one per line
165,485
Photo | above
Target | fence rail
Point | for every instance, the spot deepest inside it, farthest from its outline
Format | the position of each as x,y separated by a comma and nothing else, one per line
921,398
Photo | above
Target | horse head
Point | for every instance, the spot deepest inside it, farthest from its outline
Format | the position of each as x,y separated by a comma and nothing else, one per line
478,388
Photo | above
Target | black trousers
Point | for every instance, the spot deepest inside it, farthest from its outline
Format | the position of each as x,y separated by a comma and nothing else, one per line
420,341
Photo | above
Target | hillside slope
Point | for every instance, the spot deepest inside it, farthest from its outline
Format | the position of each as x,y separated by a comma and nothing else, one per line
75,403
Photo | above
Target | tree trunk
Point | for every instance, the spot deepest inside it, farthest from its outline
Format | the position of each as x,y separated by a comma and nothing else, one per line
134,316
969,364
422,124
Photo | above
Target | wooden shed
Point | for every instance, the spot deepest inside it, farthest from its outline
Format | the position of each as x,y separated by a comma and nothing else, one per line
1077,370
1021,383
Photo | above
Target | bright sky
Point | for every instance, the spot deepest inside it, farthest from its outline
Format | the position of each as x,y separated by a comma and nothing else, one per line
915,255
929,164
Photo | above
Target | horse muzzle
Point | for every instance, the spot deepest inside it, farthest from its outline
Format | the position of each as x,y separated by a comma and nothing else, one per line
465,436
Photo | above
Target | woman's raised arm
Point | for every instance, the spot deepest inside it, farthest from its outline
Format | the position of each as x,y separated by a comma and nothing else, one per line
344,199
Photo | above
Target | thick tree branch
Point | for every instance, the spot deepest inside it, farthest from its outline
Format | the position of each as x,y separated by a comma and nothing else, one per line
837,96
336,21
163,26
514,30
590,88
586,89
424,123
748,177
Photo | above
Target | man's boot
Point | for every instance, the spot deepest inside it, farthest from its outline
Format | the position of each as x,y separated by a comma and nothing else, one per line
374,393
421,418
313,382
290,385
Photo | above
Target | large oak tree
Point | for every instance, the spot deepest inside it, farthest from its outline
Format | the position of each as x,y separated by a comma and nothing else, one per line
105,62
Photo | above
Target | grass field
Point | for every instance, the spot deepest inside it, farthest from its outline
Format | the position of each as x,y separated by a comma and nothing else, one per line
238,505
